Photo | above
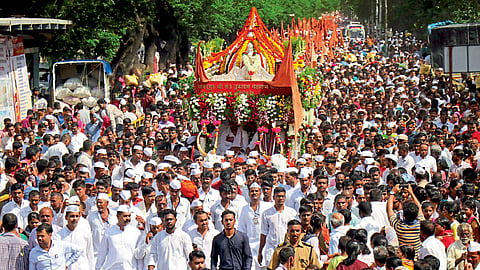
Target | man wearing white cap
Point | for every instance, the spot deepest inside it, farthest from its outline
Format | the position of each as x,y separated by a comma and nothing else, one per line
137,219
196,176
202,235
147,156
100,220
135,162
144,244
76,234
118,244
99,169
473,257
390,163
249,221
230,158
170,247
179,204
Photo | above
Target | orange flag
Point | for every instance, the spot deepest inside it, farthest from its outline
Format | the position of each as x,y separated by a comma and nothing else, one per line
200,73
286,77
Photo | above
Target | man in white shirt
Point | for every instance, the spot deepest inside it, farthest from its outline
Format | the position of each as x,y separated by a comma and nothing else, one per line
232,138
145,243
427,160
274,226
100,220
75,233
458,166
431,245
223,204
202,236
296,194
58,149
207,195
17,203
366,221
118,244
177,203
249,221
77,138
170,247
338,230
7,140
52,128
46,216
404,160
135,162
378,207
49,254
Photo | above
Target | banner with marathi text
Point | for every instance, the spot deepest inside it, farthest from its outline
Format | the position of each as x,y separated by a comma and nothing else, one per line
15,94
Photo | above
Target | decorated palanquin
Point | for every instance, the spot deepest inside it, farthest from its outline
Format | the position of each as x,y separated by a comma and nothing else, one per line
253,83
249,65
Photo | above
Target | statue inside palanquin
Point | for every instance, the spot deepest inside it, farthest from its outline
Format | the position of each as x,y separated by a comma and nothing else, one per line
251,61
250,70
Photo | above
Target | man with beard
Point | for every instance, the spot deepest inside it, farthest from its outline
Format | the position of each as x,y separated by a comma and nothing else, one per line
143,248
305,254
170,247
456,252
230,249
118,244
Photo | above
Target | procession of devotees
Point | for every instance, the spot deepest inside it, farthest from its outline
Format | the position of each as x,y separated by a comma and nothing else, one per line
387,178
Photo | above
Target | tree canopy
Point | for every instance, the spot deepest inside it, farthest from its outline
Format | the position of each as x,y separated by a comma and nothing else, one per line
108,28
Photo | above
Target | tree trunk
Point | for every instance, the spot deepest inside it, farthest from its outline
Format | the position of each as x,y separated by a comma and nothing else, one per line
127,61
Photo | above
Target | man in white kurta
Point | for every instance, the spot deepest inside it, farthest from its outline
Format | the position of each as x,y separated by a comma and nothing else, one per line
177,203
145,243
249,221
170,247
431,245
274,225
232,138
77,233
118,244
100,220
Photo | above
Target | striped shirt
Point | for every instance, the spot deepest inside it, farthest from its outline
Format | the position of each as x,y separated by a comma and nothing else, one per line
408,233
13,252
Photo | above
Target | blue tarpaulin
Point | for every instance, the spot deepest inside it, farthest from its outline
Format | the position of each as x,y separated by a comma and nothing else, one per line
437,24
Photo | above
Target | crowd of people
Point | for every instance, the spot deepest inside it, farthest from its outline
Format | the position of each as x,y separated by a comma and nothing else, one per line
388,179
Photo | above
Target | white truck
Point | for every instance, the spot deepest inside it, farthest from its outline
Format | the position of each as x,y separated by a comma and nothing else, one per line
80,81
355,30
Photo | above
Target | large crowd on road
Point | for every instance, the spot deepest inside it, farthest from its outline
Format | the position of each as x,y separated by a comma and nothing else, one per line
389,178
